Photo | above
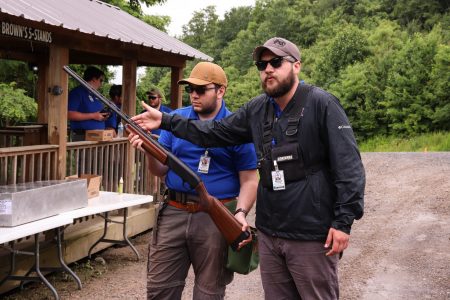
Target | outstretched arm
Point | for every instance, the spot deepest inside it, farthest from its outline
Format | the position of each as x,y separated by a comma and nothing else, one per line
149,120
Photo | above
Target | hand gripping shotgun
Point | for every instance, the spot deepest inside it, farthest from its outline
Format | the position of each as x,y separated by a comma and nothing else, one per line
230,228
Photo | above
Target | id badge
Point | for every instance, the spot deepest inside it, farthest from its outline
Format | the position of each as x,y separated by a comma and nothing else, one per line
203,165
278,180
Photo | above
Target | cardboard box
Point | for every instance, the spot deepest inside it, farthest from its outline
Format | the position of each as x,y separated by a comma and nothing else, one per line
93,183
99,135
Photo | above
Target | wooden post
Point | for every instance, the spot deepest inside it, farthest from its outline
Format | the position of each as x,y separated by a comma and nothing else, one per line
42,94
129,107
57,105
175,91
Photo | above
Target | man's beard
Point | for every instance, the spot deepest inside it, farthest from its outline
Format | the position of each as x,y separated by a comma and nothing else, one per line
206,109
154,105
282,88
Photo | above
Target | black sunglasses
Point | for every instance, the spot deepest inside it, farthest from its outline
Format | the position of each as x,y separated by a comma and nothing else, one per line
275,62
152,97
200,90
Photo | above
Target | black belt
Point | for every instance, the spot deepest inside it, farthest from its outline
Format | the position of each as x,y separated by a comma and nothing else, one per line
185,197
78,131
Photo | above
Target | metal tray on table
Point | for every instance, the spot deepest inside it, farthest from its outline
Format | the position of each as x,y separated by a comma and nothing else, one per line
31,201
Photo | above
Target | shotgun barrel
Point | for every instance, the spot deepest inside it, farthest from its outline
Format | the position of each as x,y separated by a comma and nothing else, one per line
230,228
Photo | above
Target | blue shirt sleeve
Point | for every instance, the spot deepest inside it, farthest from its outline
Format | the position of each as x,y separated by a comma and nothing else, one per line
74,100
245,157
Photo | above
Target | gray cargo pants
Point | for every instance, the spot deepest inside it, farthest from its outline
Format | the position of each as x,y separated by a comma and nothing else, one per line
293,269
180,240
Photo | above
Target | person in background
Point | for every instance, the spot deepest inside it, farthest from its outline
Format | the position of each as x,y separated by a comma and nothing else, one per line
85,111
184,234
155,98
115,95
312,178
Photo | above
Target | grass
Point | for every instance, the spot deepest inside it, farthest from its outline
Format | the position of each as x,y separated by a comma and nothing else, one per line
437,141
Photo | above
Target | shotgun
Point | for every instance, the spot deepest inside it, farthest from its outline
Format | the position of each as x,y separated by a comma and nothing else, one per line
230,228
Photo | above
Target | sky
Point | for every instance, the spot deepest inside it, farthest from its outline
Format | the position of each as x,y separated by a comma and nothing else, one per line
181,11
180,15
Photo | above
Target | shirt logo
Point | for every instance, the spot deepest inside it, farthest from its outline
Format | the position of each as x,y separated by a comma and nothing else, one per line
284,158
344,127
90,98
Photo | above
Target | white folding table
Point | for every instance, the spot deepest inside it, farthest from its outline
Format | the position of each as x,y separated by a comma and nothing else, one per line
102,205
9,235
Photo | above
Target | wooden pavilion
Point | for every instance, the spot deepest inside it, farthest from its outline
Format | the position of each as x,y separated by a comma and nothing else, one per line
54,33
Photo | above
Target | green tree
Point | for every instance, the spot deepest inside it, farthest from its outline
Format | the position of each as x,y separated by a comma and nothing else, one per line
241,88
19,72
227,30
200,30
438,91
407,97
359,93
417,15
134,8
360,87
15,106
347,47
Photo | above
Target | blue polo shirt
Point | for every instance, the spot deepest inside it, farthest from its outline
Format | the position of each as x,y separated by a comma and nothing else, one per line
113,120
81,100
222,180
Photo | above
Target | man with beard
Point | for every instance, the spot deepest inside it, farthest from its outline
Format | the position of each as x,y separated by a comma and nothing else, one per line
186,235
311,176
155,98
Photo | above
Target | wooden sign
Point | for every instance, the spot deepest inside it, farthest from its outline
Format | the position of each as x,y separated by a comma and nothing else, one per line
25,32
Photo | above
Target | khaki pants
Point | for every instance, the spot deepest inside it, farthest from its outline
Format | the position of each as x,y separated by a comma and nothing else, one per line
182,239
293,269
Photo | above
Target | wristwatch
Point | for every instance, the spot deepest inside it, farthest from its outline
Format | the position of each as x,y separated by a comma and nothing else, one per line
241,210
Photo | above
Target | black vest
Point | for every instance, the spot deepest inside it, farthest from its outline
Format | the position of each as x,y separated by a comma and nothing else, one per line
287,152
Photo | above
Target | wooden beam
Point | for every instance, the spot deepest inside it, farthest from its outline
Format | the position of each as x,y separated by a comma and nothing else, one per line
57,105
18,55
129,107
175,91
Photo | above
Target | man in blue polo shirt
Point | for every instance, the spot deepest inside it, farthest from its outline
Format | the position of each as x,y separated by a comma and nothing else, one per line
85,110
115,95
190,237
155,98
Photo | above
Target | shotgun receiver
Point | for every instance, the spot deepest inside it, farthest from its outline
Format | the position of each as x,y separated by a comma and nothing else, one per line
230,228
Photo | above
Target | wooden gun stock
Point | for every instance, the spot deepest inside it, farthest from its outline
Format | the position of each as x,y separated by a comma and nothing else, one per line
224,220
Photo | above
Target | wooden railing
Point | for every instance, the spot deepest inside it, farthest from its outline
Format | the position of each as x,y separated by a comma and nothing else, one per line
108,159
28,163
105,159
24,135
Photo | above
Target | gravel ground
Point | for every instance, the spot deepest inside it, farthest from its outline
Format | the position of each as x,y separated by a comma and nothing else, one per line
398,250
